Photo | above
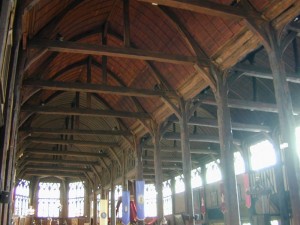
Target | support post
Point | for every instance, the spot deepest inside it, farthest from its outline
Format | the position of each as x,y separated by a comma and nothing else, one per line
139,165
186,160
112,200
64,199
286,122
232,212
158,171
124,171
95,203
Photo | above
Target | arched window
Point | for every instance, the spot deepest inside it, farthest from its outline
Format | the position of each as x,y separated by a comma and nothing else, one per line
213,172
262,155
239,163
150,200
179,184
49,199
196,178
167,197
22,198
76,199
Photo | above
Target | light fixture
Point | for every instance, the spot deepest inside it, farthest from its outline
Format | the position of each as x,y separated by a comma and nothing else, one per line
154,3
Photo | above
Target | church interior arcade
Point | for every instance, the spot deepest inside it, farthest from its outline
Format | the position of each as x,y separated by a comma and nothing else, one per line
150,112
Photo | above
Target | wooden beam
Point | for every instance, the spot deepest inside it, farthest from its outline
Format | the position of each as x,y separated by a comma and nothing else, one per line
63,153
249,105
130,53
175,160
83,112
59,161
203,7
126,16
96,88
178,149
196,138
55,131
205,122
52,173
264,73
71,142
56,168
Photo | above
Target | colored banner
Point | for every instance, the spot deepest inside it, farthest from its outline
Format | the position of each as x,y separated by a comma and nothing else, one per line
247,190
103,212
125,207
139,189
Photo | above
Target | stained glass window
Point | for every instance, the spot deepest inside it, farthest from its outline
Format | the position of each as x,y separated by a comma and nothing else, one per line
49,199
239,163
196,178
22,198
76,199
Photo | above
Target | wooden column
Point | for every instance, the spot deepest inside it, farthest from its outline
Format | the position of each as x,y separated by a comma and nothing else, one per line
279,178
186,160
139,159
95,205
173,200
87,202
139,165
4,22
158,171
9,138
124,171
232,212
286,122
64,199
112,200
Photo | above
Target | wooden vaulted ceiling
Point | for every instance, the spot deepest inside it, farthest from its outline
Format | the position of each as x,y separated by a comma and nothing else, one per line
98,72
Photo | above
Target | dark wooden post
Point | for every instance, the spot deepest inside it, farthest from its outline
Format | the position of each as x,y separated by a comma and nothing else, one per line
139,165
124,171
64,199
286,122
112,199
232,212
4,22
173,200
139,159
186,159
278,170
158,171
87,204
95,205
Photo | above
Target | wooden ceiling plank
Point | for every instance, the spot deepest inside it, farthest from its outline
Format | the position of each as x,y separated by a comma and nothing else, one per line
71,142
83,112
92,49
95,88
203,7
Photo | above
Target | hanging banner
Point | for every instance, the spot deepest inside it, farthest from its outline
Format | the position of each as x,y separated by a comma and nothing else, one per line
247,190
125,207
103,212
139,189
